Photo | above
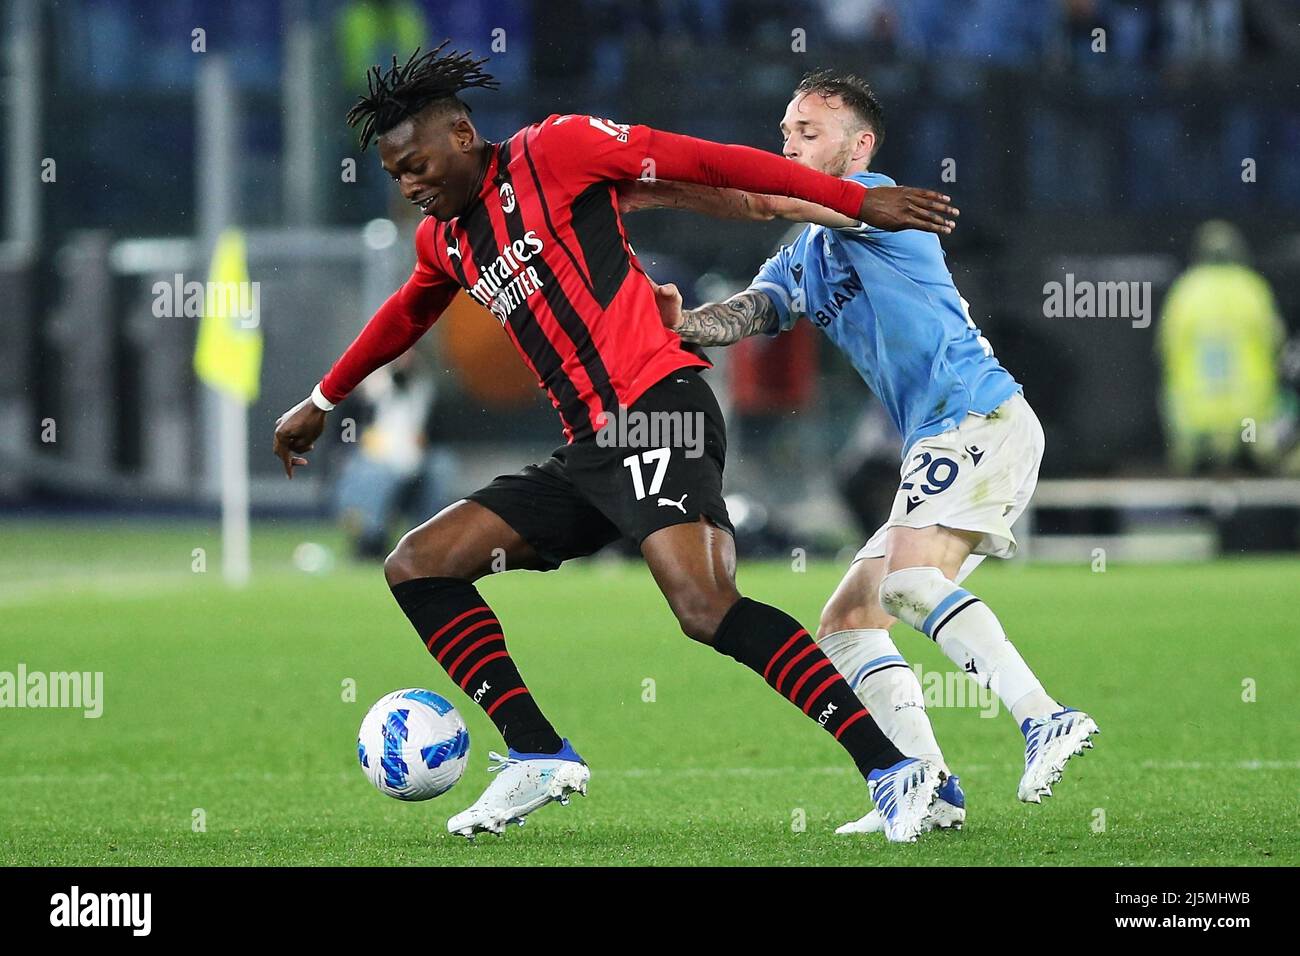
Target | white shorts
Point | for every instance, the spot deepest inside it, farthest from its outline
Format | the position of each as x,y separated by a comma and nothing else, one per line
976,477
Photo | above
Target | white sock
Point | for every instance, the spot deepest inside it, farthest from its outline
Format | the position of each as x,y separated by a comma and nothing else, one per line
969,633
887,687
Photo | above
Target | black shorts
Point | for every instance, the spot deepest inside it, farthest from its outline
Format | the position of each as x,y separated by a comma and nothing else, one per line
659,464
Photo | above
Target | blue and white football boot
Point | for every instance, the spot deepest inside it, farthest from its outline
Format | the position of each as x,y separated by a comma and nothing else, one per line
1049,743
524,783
905,795
949,811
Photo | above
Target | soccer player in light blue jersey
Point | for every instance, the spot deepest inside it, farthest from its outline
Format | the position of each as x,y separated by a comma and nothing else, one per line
972,444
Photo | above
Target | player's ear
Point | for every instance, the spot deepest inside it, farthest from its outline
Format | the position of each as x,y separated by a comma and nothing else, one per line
864,143
463,134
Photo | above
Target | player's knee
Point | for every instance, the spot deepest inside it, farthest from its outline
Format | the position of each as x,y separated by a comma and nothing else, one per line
700,612
421,558
398,566
910,594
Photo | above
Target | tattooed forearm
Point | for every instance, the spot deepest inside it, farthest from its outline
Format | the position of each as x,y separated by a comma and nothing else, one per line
635,195
722,323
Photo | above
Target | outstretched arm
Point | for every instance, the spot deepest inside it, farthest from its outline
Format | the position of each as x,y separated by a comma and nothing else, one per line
395,327
635,195
892,208
392,330
717,323
587,148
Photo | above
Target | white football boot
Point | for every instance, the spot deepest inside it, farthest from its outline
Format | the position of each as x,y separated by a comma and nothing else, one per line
524,783
1049,743
905,794
949,811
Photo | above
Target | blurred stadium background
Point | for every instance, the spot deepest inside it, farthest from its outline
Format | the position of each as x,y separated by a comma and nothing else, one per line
134,134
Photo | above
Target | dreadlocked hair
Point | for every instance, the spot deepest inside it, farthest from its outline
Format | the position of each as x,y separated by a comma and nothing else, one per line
404,90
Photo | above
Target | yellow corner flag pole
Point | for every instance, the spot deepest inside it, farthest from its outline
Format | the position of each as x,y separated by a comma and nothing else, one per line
228,359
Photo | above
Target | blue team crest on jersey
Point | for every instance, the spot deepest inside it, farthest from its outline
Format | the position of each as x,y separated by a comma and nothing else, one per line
440,704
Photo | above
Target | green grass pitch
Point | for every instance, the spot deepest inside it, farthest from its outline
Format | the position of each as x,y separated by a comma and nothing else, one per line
230,707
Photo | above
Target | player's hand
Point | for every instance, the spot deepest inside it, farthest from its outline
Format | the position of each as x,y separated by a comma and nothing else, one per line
296,432
669,300
902,207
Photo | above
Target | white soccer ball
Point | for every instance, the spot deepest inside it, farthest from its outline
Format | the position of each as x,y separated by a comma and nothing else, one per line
413,745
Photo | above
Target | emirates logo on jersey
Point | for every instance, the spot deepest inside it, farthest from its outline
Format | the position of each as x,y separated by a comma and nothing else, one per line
507,198
508,280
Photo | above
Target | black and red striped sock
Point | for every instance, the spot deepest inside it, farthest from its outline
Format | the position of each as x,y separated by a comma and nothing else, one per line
464,636
767,640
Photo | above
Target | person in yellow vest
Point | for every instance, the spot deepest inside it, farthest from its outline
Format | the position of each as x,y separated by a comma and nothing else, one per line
368,31
1219,340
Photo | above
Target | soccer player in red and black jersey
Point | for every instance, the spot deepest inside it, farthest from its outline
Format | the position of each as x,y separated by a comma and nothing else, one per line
530,227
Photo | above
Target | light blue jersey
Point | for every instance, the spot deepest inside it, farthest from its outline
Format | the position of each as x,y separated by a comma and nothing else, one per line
888,301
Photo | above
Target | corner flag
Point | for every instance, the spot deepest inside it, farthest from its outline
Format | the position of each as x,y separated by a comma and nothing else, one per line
228,355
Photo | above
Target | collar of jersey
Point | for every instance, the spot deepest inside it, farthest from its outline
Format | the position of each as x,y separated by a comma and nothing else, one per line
489,177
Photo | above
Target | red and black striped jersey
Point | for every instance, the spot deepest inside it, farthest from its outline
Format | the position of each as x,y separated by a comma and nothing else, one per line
543,248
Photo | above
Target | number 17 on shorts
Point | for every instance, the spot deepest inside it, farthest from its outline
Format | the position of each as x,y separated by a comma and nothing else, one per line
658,457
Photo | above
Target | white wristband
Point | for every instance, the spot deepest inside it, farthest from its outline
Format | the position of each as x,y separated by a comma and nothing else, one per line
320,401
